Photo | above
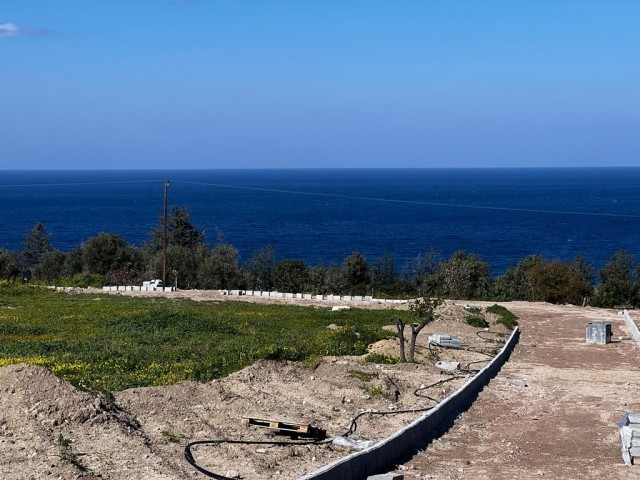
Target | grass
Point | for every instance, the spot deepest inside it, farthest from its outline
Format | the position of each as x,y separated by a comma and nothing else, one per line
66,453
381,358
364,376
109,343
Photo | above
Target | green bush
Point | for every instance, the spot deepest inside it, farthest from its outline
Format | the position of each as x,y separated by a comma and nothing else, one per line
477,321
507,317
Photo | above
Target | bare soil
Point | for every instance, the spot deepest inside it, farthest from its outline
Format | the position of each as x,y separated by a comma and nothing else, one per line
48,429
563,424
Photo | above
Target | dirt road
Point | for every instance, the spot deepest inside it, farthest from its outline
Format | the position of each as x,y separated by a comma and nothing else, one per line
563,423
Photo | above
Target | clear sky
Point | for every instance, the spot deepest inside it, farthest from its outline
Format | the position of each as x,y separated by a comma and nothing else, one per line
319,83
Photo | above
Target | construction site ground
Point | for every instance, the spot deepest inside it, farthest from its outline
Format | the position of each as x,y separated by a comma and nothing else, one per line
563,424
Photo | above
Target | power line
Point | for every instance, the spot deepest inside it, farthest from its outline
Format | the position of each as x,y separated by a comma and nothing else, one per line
412,202
334,195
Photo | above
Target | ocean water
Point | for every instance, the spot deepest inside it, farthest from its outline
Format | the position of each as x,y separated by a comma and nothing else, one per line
502,215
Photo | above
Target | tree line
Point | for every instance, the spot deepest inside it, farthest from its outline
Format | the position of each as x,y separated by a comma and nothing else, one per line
191,263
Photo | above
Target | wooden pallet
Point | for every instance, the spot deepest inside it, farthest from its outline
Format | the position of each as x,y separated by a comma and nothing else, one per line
280,427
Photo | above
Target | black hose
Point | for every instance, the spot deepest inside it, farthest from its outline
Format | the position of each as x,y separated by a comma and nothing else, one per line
188,455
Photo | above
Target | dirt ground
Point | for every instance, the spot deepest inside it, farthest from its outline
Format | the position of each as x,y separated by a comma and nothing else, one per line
563,424
567,413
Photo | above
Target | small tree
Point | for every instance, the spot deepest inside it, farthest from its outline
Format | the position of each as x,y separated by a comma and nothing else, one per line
424,309
400,324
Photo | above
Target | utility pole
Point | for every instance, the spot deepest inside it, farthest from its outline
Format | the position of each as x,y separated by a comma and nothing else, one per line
164,235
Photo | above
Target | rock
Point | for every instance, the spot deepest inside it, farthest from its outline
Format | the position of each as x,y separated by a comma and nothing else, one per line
519,383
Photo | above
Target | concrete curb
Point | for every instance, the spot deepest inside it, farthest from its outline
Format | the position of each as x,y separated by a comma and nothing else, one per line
633,328
386,454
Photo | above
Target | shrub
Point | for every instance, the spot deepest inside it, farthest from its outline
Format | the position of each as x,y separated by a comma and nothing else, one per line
507,317
477,321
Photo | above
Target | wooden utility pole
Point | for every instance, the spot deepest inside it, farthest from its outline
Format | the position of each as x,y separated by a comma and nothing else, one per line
164,235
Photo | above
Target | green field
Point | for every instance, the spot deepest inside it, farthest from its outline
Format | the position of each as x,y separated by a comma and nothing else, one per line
109,342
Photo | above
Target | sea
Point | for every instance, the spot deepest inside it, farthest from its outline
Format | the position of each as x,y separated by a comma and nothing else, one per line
323,215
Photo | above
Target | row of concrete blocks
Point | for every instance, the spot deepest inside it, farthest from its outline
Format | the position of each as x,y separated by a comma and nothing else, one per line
309,296
386,454
136,288
630,436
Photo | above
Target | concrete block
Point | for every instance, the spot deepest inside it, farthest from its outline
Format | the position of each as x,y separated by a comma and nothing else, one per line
633,418
448,366
368,298
289,295
319,297
444,340
599,333
357,298
106,289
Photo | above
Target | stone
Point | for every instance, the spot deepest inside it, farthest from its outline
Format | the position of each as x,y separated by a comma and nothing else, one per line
448,366
519,383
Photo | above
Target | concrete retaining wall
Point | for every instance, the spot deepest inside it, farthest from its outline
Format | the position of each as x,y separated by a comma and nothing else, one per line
383,456
633,328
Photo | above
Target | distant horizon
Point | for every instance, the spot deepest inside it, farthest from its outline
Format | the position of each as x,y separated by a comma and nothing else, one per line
524,167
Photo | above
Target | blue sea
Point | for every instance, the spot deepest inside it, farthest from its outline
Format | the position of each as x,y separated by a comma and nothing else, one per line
501,215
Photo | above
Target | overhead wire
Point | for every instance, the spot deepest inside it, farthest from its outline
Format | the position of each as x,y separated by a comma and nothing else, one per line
410,202
331,195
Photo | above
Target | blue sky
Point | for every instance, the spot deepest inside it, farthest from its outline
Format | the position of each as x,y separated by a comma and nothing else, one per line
326,83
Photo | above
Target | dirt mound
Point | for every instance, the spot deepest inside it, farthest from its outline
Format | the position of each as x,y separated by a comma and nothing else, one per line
49,429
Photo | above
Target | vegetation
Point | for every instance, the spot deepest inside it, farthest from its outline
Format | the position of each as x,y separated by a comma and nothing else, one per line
380,358
424,312
476,320
506,316
66,453
193,263
109,343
